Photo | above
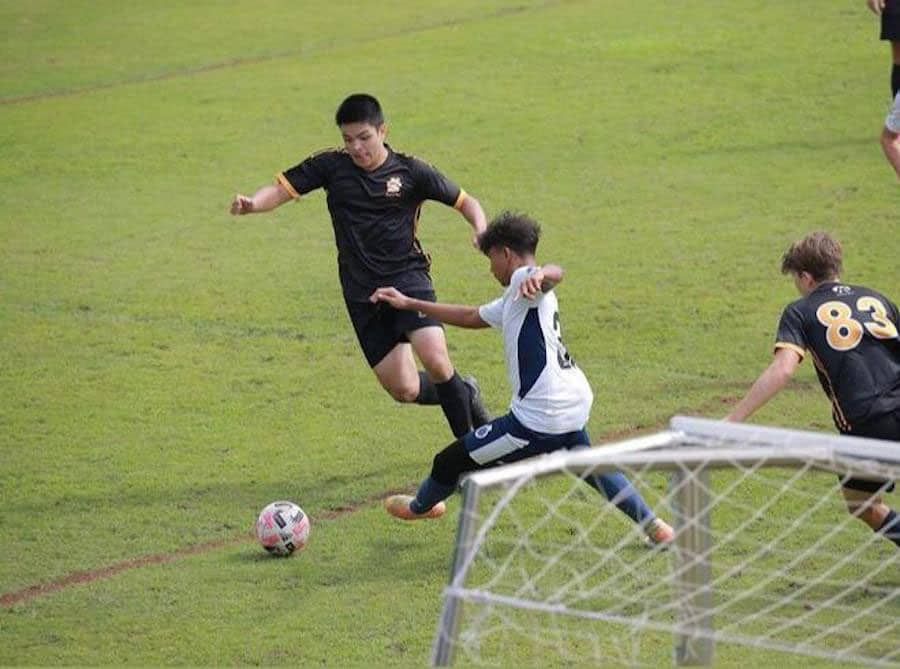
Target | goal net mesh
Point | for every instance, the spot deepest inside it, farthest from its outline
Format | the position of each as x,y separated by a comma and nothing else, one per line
767,566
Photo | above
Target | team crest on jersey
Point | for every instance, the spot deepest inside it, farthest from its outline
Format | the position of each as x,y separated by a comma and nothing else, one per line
483,431
393,187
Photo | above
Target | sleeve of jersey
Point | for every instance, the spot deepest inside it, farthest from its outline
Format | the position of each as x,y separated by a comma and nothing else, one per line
432,185
492,313
790,332
312,173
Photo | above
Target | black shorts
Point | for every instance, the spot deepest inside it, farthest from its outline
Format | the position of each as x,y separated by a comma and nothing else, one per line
887,427
890,21
379,327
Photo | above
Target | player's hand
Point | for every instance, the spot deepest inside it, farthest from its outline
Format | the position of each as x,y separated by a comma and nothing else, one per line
876,5
390,295
531,286
241,204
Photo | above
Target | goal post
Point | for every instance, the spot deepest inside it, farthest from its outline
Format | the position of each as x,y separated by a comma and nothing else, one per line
766,559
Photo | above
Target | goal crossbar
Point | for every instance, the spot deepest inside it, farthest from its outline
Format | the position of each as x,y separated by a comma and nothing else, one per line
687,452
694,436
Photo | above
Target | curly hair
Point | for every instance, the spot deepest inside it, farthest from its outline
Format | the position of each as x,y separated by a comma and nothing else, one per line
518,232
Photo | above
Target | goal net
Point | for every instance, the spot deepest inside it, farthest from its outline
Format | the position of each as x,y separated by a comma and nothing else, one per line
767,566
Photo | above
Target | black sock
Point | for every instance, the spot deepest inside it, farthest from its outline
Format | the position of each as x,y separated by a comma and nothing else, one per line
454,396
890,528
448,466
427,391
451,463
895,80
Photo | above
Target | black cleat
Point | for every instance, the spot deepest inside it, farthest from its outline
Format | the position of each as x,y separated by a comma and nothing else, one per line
480,415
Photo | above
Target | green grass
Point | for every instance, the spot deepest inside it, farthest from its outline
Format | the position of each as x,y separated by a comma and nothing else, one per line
166,370
781,545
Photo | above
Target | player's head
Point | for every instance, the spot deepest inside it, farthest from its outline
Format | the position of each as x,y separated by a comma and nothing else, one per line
362,126
509,241
816,258
359,108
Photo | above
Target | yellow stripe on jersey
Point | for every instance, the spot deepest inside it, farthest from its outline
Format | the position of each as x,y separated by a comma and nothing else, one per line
838,413
462,196
287,186
796,349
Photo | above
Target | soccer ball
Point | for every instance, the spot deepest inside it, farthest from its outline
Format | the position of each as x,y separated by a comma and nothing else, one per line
282,528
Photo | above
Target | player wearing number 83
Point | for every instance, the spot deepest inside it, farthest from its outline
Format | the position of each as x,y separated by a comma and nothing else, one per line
850,333
551,398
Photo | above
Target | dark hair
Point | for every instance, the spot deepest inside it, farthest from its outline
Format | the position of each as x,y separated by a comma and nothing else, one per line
518,232
359,108
818,253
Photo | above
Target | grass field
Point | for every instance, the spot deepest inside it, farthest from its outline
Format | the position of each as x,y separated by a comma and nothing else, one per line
166,370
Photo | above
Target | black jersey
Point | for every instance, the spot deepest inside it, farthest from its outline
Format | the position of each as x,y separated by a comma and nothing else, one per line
850,333
375,216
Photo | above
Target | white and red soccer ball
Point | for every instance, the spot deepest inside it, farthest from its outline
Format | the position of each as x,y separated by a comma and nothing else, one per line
282,528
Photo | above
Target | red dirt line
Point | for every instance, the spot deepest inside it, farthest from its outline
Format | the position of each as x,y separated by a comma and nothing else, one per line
89,576
150,78
10,599
79,577
250,60
717,406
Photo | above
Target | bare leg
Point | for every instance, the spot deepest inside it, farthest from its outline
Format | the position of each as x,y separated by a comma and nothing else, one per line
869,508
890,143
890,135
455,396
430,346
398,375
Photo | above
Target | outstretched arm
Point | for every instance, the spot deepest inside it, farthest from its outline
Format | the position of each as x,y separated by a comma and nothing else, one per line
474,214
542,280
772,380
265,199
876,6
452,314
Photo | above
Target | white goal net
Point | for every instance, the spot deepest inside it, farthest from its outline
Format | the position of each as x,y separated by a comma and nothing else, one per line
767,567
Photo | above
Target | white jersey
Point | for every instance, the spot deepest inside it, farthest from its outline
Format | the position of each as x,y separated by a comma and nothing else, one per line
550,394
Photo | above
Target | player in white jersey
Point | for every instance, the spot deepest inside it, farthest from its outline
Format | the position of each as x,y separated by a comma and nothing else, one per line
551,398
549,392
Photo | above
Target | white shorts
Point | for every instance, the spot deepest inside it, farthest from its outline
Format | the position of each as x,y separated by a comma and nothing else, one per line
892,122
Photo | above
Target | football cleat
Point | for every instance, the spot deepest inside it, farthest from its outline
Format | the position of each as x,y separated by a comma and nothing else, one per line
480,415
398,507
660,533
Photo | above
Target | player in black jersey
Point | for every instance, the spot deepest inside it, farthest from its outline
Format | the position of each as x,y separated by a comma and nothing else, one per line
850,332
889,11
375,197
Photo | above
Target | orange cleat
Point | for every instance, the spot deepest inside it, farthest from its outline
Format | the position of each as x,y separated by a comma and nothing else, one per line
660,533
398,507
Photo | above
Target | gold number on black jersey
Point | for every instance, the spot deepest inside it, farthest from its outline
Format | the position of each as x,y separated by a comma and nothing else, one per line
844,332
882,328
